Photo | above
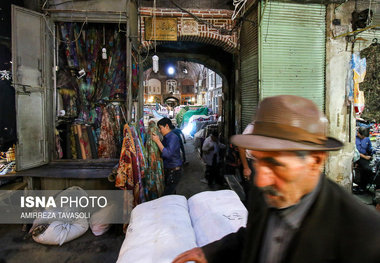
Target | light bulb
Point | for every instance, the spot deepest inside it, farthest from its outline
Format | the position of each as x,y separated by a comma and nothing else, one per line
104,53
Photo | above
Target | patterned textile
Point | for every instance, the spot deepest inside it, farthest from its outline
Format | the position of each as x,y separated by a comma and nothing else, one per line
141,160
142,131
72,143
107,144
128,174
154,175
135,80
115,111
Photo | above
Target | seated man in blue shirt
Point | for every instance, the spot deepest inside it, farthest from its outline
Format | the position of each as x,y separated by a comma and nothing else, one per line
364,146
171,155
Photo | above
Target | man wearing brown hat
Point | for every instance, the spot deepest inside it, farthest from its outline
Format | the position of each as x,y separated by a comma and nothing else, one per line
296,214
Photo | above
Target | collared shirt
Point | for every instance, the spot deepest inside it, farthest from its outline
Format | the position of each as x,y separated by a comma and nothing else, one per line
364,145
171,154
180,135
211,148
282,225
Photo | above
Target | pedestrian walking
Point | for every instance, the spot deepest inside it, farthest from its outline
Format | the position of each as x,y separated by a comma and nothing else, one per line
211,156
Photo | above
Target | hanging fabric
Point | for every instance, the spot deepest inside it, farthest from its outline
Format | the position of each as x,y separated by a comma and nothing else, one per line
128,172
86,81
107,144
154,176
141,161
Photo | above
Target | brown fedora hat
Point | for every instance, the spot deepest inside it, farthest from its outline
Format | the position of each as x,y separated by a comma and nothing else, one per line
288,123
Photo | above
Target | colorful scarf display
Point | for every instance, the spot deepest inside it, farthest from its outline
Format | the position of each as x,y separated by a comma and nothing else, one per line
154,175
128,174
140,166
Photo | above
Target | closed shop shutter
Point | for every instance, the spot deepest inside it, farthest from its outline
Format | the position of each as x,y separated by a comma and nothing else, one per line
249,68
292,50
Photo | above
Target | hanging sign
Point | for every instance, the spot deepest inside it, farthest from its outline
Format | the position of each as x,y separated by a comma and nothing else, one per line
166,29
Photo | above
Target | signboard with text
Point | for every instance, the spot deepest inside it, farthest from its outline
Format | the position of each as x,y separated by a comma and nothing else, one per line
165,29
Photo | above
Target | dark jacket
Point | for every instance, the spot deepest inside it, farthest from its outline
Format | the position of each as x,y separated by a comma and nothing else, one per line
337,228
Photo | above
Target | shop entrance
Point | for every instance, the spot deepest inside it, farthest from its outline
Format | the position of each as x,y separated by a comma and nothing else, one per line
91,91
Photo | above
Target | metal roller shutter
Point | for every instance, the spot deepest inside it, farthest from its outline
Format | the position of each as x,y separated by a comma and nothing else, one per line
292,51
249,68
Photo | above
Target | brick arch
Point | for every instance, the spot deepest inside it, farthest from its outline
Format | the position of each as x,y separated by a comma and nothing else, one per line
210,39
203,32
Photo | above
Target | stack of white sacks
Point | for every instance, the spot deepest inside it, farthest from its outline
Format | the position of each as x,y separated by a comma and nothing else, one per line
161,229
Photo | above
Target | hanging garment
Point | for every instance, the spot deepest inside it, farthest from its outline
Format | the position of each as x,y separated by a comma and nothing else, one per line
128,172
90,134
154,175
73,143
58,147
86,142
107,144
141,160
142,131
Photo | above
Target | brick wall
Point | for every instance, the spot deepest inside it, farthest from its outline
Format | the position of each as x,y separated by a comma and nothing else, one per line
207,33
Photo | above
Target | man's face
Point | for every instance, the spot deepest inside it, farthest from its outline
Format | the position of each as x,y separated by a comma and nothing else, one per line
164,129
285,177
361,136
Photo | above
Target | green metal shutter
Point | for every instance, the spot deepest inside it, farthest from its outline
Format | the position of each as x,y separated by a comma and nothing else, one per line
292,51
249,68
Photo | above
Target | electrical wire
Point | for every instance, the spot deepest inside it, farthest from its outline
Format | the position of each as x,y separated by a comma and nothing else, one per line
262,14
154,23
369,17
236,4
65,2
120,23
56,37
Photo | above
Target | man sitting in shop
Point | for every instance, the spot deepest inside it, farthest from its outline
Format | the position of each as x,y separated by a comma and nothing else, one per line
296,214
364,146
171,155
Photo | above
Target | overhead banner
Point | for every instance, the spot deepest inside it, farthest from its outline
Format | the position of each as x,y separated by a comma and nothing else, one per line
165,29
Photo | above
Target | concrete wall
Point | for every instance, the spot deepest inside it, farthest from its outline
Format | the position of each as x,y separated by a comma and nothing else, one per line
339,113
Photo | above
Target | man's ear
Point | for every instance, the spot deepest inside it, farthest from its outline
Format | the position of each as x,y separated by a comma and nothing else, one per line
318,159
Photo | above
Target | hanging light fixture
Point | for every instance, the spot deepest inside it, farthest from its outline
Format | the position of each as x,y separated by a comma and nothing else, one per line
104,50
155,57
155,63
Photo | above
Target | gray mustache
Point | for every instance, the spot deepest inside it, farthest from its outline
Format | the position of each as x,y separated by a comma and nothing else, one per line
270,190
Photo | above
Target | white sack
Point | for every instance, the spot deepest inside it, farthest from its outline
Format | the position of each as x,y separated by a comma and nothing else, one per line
60,232
98,221
158,231
215,214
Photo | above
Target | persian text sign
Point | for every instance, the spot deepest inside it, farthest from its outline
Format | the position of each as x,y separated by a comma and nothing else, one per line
166,29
